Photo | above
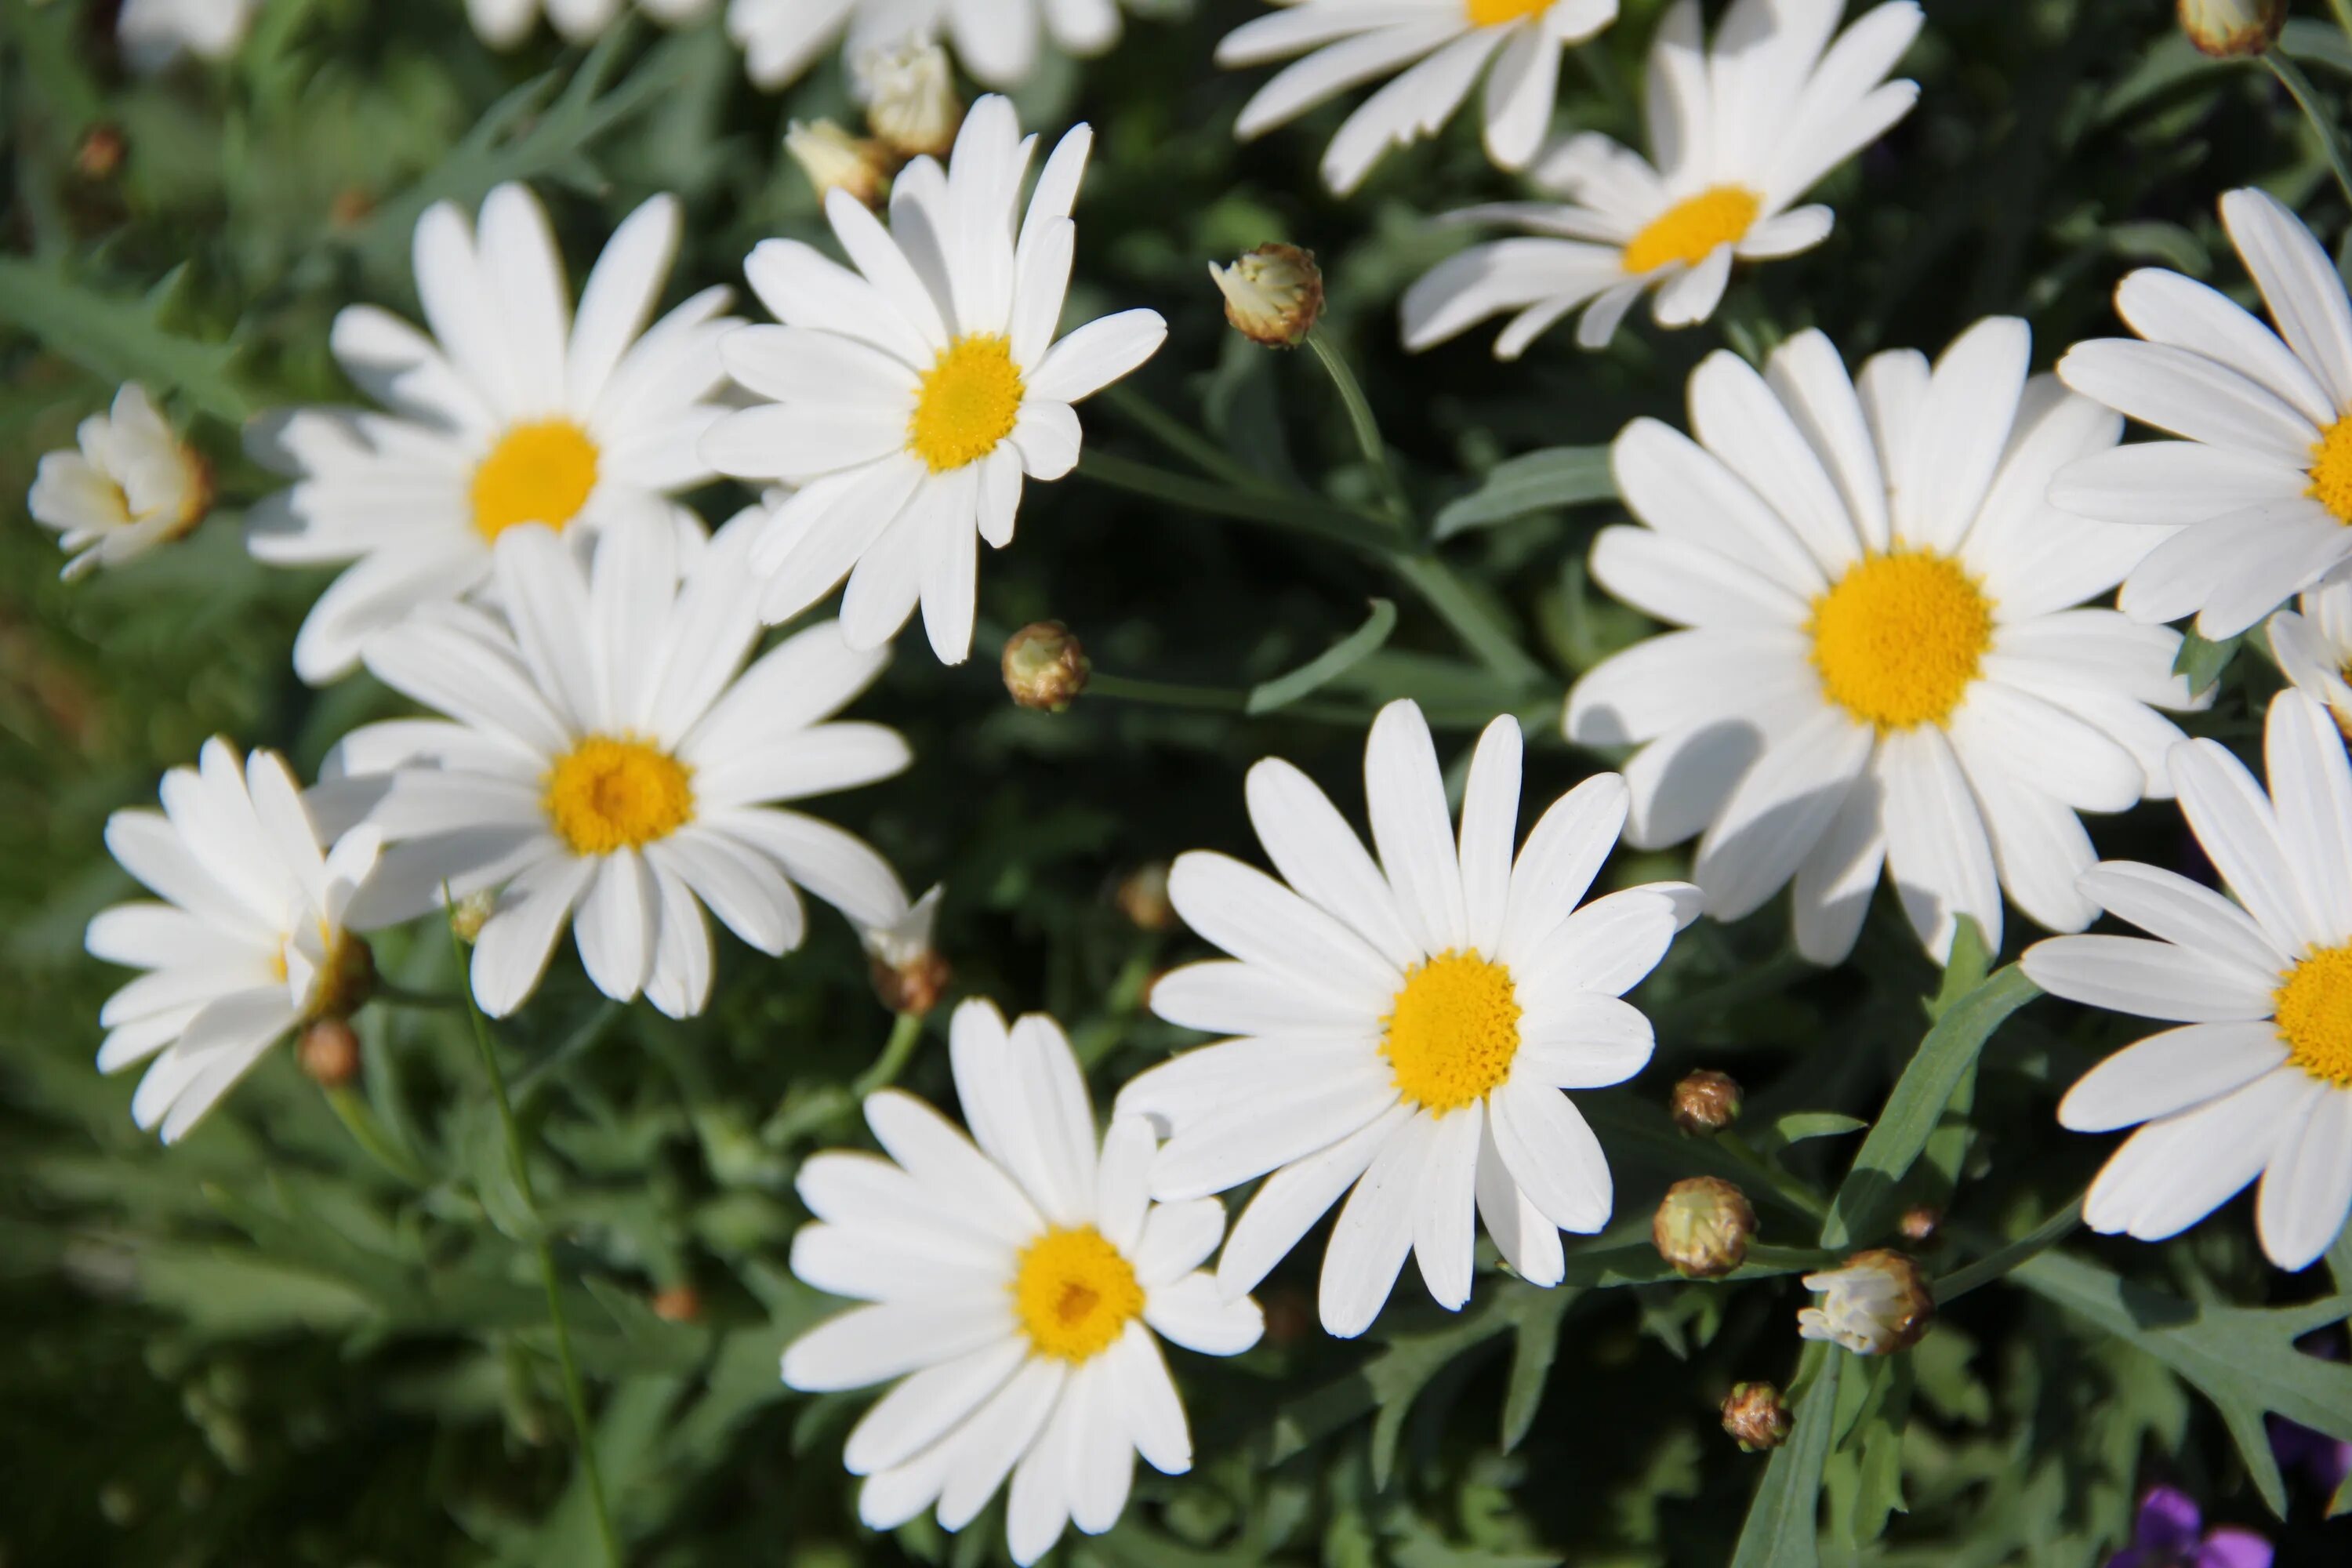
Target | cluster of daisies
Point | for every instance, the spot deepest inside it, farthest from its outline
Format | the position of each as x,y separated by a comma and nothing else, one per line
1899,567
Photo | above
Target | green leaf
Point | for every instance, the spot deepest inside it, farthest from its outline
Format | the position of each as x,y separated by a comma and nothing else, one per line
1781,1532
1270,696
1535,1341
118,339
2317,43
1916,1106
2243,1358
2203,662
1803,1126
1555,476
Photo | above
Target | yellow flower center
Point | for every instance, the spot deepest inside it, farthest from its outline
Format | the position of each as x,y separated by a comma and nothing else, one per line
1074,1293
1899,638
540,472
1691,228
1495,13
969,401
1453,1031
609,794
2314,1015
2331,469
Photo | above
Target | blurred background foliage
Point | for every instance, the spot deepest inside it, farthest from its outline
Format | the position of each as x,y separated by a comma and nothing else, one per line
272,1346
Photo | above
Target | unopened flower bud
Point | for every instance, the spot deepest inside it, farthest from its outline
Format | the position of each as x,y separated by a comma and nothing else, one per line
1142,898
329,1052
909,976
1920,1223
833,159
910,99
99,156
470,914
351,207
1272,294
1705,1102
2228,28
1876,1303
1756,1415
677,1304
1044,666
1702,1227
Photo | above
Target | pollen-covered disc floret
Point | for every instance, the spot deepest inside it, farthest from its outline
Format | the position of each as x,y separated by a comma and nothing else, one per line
2256,1078
2331,469
542,470
1748,125
1398,1033
1018,1279
968,401
609,763
1881,666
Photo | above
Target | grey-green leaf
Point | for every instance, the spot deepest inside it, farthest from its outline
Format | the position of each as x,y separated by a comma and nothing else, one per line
1327,666
1782,1529
1554,477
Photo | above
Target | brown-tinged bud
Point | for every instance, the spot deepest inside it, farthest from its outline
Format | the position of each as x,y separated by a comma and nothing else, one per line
351,207
910,98
1046,666
909,976
99,156
329,1052
1705,1102
1289,1316
1756,1415
1273,294
677,1304
1920,1223
2225,28
1142,898
833,159
470,914
1702,1227
1875,1304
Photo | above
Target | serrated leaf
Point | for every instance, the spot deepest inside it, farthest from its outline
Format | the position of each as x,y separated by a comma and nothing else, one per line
1271,696
1535,1341
1781,1531
118,339
1536,481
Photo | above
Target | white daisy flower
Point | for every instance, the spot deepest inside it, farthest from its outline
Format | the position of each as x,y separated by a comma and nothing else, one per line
154,33
995,40
2260,489
1884,665
606,762
912,395
248,942
132,485
1447,43
1740,131
1017,1290
2258,1082
1406,1028
513,411
2313,644
503,24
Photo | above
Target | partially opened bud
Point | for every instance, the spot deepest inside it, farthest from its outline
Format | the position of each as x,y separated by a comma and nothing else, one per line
2228,28
329,1053
910,98
1272,294
1757,1415
909,976
1920,1223
1046,666
1705,1102
99,156
833,159
1142,896
470,914
1876,1304
1702,1227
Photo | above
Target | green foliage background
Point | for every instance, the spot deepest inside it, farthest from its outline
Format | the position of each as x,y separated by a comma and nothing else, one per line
266,1346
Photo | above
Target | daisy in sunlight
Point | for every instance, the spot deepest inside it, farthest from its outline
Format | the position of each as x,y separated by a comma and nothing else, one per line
607,761
1402,1031
514,410
910,399
1019,1282
997,41
2313,646
503,24
1740,132
1885,663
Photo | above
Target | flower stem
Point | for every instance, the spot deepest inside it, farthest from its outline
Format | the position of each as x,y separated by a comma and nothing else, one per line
1987,1269
1471,620
2343,9
1367,429
2299,87
1183,440
1299,514
401,997
370,1135
575,1397
1772,1176
906,1033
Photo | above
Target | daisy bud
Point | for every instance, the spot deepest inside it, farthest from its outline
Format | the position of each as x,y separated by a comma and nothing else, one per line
1702,1227
1877,1304
1705,1102
349,980
2227,27
910,99
1756,1415
99,156
1142,898
909,976
835,160
128,485
677,1304
329,1052
1046,666
1272,294
351,207
1920,1223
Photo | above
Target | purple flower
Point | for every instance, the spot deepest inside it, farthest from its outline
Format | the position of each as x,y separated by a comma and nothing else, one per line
2169,1533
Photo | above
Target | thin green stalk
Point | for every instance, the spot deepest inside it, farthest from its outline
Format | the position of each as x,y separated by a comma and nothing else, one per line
1470,619
1367,429
1182,439
1216,699
2299,87
575,1395
370,1135
906,1033
1772,1176
1987,1269
2343,9
401,997
1299,514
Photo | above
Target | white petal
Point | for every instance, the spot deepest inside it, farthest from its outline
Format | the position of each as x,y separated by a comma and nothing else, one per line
2167,1073
2308,1189
2147,979
1553,1155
